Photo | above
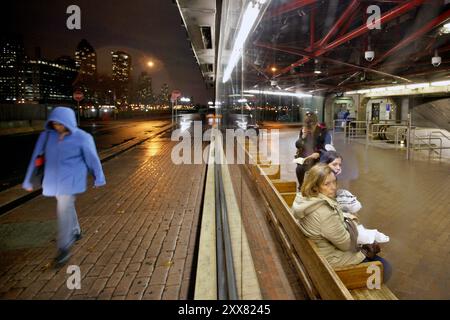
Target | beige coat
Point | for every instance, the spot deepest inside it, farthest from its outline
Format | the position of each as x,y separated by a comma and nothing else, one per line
321,220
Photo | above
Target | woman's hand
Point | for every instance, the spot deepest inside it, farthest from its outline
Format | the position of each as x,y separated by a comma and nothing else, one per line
29,189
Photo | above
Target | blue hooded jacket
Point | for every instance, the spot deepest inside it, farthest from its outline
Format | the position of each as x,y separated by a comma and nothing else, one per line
67,162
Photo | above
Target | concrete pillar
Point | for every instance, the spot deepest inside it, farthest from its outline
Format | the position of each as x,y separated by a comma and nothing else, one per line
405,108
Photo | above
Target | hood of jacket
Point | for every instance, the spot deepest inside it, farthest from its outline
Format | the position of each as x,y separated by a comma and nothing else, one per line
64,116
305,206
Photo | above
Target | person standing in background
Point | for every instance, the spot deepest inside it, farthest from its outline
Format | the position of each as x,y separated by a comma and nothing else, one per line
310,145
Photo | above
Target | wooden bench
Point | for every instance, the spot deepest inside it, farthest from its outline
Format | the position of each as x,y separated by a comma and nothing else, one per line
321,281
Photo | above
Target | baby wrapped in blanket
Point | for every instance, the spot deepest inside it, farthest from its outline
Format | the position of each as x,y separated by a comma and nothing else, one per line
350,205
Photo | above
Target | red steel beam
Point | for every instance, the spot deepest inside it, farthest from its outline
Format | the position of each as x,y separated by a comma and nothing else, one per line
388,16
296,51
392,14
348,23
291,6
426,28
341,21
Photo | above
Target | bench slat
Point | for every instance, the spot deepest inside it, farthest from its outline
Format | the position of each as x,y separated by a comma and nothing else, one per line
355,276
289,198
284,186
375,294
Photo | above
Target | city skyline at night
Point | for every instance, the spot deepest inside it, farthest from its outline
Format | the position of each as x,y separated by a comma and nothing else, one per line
147,30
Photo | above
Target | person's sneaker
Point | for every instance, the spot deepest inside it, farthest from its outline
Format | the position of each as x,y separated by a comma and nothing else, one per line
62,257
78,236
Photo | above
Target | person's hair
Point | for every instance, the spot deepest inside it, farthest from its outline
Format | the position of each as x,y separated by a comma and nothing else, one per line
314,178
311,120
329,156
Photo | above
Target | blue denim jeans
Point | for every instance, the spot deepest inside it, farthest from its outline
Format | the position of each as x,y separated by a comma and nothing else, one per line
387,268
68,225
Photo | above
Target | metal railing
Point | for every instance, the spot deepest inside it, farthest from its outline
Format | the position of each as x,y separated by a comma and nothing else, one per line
354,127
440,133
370,129
337,124
397,131
425,143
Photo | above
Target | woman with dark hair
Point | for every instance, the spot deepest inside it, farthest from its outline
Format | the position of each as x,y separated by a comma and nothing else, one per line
310,144
333,160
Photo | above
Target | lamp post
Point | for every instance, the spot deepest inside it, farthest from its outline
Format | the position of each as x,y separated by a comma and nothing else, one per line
173,98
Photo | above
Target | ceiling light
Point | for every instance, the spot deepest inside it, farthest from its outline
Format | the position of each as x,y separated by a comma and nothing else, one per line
280,93
417,85
401,87
446,28
441,83
248,20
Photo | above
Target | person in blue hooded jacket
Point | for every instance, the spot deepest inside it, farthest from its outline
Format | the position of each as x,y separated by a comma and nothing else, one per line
70,154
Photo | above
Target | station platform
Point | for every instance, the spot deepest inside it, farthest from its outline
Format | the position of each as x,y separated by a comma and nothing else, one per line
140,239
407,200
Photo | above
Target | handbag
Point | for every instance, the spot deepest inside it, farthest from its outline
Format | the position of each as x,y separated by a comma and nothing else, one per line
370,250
37,176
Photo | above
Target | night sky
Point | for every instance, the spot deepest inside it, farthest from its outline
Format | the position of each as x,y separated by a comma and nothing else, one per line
146,29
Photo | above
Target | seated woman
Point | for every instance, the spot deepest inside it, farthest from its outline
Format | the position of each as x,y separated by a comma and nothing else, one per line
350,204
321,219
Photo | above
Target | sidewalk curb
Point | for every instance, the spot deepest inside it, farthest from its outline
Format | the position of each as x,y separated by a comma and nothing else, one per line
15,196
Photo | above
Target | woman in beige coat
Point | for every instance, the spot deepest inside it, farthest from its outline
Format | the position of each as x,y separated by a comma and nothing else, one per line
322,220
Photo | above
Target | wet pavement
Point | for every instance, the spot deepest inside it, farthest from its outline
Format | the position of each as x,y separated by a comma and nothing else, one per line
140,234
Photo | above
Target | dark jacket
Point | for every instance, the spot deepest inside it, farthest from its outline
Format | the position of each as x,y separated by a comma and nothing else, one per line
320,138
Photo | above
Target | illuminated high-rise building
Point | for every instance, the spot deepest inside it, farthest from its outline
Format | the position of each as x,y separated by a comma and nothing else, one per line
86,58
121,71
12,57
144,89
164,95
121,66
47,81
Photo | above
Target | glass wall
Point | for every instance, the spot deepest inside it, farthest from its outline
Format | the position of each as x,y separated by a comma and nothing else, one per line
372,72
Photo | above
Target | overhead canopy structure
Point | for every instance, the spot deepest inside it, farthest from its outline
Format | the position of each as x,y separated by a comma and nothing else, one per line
199,18
321,45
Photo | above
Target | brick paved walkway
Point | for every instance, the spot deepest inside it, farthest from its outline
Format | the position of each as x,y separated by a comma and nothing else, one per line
139,234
